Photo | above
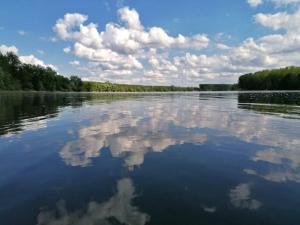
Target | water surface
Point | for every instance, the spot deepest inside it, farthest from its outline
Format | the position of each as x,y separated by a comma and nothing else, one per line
178,159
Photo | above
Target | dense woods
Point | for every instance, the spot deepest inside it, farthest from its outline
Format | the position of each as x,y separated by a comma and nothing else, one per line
218,87
110,87
278,79
15,75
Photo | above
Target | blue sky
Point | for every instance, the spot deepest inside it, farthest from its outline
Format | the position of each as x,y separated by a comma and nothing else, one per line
219,39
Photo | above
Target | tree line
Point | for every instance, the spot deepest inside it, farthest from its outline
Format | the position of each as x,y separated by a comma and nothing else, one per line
277,79
111,87
218,87
15,75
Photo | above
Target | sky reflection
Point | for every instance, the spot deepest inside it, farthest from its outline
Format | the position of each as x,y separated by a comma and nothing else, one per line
150,159
118,208
131,129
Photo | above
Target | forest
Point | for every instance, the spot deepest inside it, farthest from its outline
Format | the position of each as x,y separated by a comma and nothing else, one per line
218,87
276,79
15,75
110,87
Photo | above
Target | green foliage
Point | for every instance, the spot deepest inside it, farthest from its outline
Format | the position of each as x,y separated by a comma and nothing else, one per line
110,87
279,79
218,87
15,75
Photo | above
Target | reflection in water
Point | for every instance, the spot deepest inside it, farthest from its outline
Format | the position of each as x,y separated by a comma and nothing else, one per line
277,157
29,111
131,133
207,144
271,98
117,210
240,197
284,104
284,149
130,129
136,125
281,175
209,209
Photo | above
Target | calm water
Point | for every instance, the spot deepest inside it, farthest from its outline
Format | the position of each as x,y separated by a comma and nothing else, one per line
165,159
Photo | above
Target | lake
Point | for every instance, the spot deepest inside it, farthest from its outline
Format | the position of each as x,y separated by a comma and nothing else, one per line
136,159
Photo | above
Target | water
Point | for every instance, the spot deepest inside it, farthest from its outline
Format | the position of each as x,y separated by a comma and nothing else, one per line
166,159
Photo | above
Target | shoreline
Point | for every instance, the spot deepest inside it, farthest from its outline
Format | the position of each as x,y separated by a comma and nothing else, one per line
152,92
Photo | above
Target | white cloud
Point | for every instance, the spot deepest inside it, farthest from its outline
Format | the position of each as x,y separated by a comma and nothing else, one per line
22,33
130,53
31,59
278,3
255,3
131,18
67,50
75,63
121,49
222,46
280,20
285,2
63,27
5,49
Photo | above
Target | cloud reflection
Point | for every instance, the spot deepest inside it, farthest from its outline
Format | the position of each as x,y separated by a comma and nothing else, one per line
132,128
132,133
118,208
240,197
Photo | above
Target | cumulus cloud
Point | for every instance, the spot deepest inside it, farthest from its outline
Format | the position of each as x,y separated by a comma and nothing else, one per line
280,20
131,18
31,59
129,52
4,49
255,3
122,49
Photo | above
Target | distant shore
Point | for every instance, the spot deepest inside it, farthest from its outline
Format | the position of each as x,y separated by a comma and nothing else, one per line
17,76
